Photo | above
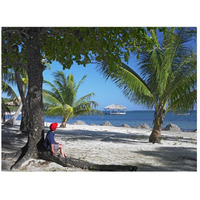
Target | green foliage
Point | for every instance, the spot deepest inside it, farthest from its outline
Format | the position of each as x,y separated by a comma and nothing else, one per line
168,72
67,45
62,98
8,80
87,44
4,107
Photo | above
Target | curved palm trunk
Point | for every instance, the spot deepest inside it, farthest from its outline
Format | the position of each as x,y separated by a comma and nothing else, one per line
158,121
12,120
23,125
64,122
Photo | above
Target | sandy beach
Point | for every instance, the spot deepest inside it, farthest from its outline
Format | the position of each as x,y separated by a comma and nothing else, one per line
111,145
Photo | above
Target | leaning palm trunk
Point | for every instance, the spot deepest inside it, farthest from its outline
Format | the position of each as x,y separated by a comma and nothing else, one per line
12,120
64,122
22,92
157,128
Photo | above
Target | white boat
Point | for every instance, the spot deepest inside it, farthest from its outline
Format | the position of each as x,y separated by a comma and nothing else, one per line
120,113
183,114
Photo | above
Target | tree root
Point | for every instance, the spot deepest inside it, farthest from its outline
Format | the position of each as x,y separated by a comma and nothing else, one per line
68,162
23,155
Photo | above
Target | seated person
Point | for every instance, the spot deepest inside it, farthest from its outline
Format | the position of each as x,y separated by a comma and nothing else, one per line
51,144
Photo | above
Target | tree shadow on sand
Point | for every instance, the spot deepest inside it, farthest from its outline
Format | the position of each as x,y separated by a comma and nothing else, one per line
171,159
168,158
12,139
103,136
180,139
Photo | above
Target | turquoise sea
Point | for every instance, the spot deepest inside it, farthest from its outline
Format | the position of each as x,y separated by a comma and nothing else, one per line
186,121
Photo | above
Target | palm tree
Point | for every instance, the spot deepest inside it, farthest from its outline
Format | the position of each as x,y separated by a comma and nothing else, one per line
16,76
168,77
7,83
62,99
22,84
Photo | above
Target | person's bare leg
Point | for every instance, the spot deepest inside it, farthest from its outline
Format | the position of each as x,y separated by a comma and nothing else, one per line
62,151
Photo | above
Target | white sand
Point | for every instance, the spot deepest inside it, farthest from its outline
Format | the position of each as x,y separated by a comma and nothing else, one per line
113,145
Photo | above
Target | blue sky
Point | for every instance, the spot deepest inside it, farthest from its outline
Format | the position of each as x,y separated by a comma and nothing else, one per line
106,92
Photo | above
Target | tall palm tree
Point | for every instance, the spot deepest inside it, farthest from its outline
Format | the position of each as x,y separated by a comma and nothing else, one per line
62,99
168,77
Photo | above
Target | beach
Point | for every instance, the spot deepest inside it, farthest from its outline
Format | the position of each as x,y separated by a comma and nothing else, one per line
111,146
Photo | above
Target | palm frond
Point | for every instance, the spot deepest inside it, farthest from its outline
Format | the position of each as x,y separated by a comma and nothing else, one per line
157,64
131,84
8,90
54,91
8,76
4,107
182,78
84,99
85,107
48,98
54,111
61,83
184,103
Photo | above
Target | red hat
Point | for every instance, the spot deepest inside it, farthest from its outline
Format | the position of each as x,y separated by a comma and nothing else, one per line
53,126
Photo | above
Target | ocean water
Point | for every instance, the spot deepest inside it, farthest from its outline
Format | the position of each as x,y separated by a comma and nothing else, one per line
187,121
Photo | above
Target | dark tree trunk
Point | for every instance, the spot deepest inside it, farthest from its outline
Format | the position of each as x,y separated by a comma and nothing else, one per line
3,116
23,124
35,104
24,116
157,128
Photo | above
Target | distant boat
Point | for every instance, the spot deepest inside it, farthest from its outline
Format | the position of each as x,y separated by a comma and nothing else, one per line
117,113
115,109
183,114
